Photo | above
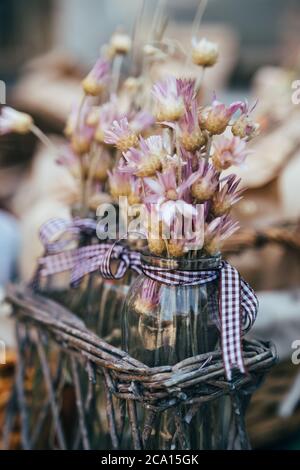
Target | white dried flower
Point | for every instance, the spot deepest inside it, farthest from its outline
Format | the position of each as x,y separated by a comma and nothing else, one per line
120,43
204,52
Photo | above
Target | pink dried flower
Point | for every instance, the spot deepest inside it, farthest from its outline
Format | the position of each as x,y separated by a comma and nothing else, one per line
147,159
192,138
120,183
186,89
125,185
77,128
103,118
141,121
14,121
189,235
149,297
217,231
228,152
97,79
136,194
169,101
218,116
121,135
169,197
244,126
203,182
226,196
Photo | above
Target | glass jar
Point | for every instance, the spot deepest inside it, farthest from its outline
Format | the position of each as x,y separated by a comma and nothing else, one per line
163,325
98,302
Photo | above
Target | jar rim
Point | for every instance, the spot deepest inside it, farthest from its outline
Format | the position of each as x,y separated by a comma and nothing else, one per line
185,264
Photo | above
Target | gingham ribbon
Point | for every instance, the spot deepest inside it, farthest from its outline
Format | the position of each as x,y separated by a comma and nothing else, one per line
129,259
238,305
53,229
82,260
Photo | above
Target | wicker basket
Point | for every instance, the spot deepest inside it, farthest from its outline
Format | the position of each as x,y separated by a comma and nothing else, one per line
6,383
41,322
194,381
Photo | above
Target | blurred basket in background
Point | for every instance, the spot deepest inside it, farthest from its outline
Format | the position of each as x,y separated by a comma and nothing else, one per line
270,257
6,384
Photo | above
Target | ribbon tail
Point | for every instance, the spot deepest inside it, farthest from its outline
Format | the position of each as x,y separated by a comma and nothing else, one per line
230,314
249,303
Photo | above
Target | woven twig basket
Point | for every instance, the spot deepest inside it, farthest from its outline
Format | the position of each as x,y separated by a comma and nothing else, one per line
126,382
192,382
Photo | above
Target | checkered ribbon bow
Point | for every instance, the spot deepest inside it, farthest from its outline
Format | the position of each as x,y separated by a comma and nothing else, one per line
53,229
82,260
238,305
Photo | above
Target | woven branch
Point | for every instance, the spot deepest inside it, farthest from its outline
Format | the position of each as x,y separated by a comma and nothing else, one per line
286,234
193,381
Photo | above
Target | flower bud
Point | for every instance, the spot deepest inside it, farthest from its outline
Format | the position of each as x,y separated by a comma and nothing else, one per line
153,52
149,166
228,152
95,82
119,184
172,111
121,135
126,142
169,101
120,43
92,87
156,246
213,246
93,117
156,242
134,198
143,306
216,121
97,199
193,141
202,190
132,84
220,206
80,144
14,121
204,53
100,171
244,127
176,248
99,135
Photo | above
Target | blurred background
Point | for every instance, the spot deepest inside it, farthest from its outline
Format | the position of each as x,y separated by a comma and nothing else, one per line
47,46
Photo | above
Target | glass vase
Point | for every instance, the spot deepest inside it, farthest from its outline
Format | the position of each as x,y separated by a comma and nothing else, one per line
98,302
165,324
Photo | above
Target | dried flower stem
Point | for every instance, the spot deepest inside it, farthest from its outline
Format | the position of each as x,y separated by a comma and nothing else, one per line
199,81
136,35
197,20
94,158
208,148
116,72
43,138
82,159
178,152
83,185
159,22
